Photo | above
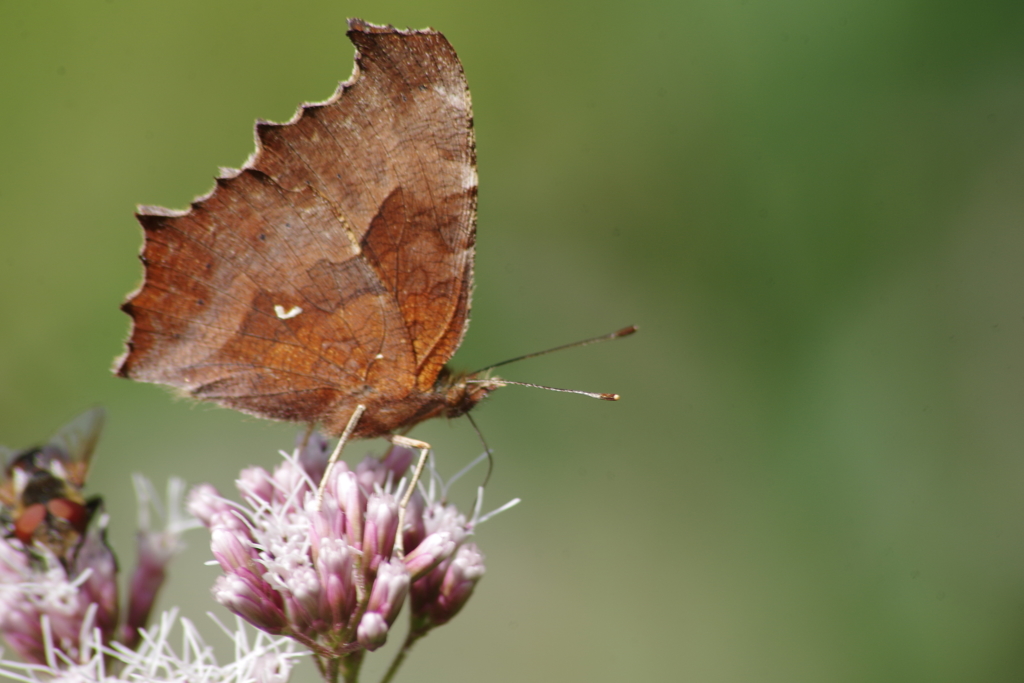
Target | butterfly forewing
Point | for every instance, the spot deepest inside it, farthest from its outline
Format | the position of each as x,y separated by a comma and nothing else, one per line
336,267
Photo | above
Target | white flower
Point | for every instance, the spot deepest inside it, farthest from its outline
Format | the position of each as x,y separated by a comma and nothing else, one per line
259,658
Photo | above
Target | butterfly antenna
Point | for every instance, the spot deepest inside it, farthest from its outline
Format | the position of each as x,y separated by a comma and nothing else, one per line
306,435
487,450
504,382
624,332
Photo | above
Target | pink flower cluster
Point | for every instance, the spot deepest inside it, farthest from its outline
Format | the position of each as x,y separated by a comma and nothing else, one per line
326,574
45,603
66,607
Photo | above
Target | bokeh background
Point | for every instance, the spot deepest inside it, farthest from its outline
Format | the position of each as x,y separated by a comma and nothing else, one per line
813,211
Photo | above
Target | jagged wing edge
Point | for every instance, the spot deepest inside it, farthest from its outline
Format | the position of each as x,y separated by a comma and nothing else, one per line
225,173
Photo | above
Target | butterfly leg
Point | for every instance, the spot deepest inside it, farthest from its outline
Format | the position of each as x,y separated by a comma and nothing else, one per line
310,428
352,422
424,449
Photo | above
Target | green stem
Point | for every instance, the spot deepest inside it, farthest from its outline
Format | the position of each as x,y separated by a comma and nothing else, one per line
410,640
327,667
350,665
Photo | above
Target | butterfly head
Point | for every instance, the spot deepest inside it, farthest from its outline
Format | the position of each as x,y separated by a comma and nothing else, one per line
462,391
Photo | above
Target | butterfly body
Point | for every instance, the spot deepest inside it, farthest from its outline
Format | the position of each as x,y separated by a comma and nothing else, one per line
451,397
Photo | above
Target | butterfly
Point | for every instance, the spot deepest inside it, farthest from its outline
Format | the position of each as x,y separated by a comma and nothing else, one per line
336,267
41,490
328,280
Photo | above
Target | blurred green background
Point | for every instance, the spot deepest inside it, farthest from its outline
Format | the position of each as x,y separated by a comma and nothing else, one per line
813,211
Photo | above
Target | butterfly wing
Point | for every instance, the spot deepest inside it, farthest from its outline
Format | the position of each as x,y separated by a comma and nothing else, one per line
336,266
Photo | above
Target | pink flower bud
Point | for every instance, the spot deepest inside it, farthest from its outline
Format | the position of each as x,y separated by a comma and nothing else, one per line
101,585
386,598
352,502
304,587
233,553
204,502
254,482
325,525
147,579
313,458
439,595
259,605
389,590
229,520
434,548
336,565
374,472
290,484
398,460
461,578
372,631
380,528
415,529
437,517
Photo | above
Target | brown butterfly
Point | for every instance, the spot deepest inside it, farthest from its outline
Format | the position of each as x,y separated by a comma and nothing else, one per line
329,279
41,491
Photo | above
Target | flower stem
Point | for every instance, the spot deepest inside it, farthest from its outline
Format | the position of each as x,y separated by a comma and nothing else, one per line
350,665
343,668
410,640
323,665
